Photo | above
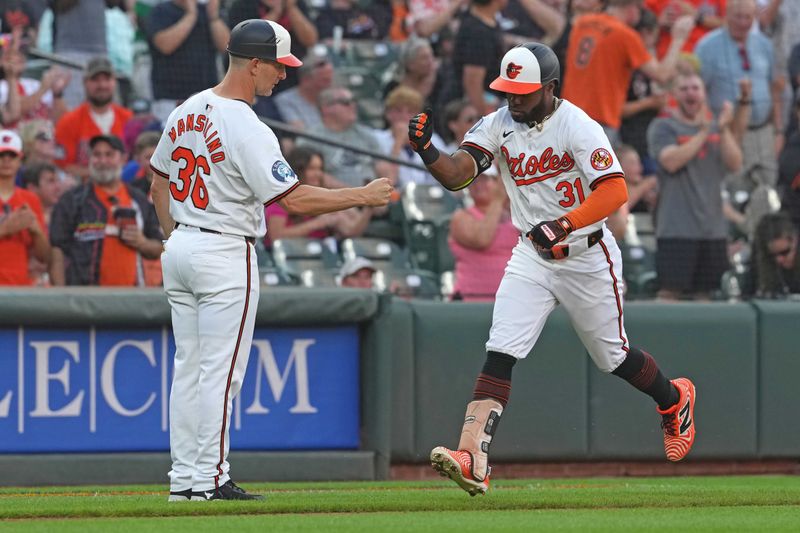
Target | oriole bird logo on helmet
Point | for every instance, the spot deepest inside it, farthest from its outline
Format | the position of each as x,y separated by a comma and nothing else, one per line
513,70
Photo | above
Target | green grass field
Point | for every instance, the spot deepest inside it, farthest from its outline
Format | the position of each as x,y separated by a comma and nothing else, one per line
768,503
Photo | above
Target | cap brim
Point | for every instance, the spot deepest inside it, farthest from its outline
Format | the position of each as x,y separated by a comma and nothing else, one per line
10,149
514,87
289,61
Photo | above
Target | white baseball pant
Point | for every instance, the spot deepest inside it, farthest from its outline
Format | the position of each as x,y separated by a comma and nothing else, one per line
212,285
590,287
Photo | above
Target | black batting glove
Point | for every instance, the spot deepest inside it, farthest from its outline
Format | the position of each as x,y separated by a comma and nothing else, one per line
548,234
420,130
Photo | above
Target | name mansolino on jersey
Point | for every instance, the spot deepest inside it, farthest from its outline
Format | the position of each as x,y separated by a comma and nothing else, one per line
203,125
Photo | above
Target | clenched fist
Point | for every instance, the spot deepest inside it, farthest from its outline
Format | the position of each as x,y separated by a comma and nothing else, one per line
378,192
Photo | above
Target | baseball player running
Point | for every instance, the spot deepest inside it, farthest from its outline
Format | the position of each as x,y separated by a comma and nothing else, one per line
220,166
563,180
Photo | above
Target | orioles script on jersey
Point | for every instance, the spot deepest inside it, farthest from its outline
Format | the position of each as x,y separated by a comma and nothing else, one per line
203,125
546,166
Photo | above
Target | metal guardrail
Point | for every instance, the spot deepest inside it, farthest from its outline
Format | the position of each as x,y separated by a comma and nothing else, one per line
277,125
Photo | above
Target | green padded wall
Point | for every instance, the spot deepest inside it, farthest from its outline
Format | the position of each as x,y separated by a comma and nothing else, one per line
403,407
779,423
715,345
546,417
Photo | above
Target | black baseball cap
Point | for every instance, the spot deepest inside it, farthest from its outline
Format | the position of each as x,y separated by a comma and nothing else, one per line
114,141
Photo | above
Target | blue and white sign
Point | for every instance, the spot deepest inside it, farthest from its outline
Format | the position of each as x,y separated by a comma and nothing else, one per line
87,390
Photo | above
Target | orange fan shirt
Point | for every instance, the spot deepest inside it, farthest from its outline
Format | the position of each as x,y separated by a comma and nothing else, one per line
602,54
14,248
119,262
76,128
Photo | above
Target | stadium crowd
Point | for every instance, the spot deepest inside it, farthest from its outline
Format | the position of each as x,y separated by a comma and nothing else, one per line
700,97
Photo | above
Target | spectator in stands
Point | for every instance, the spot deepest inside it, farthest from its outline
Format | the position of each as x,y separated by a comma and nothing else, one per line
42,180
97,115
708,15
356,22
789,172
644,101
617,222
39,148
140,171
184,38
458,117
38,98
142,120
292,15
339,115
794,78
693,151
605,46
23,15
780,21
777,266
426,18
299,105
66,30
476,54
418,69
400,106
22,227
11,110
481,239
642,190
575,9
357,273
102,229
728,55
309,167
120,35
534,20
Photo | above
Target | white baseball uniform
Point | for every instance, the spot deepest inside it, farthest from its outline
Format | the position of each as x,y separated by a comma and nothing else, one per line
224,165
547,174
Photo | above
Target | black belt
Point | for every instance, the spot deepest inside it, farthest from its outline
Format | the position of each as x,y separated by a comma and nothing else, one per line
759,126
561,252
251,240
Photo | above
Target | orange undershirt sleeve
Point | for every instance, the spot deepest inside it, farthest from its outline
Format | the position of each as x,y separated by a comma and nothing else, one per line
604,200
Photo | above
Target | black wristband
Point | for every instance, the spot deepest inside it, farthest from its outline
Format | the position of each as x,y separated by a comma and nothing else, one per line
429,155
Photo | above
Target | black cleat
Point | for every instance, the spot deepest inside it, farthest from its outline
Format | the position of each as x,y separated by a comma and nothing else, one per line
180,495
228,491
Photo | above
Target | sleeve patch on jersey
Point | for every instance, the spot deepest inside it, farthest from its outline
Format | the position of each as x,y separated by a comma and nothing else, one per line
601,159
476,126
281,171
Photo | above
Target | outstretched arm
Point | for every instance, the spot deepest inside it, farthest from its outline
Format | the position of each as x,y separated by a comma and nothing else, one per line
309,200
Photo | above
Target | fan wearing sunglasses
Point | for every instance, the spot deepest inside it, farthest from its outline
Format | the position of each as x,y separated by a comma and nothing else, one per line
777,264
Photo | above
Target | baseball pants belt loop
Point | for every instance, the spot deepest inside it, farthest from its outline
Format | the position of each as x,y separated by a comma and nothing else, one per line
251,240
562,252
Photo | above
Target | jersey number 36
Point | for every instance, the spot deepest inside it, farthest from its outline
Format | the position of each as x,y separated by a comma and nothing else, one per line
190,178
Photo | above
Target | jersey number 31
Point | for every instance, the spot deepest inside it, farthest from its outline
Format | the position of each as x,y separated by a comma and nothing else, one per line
190,178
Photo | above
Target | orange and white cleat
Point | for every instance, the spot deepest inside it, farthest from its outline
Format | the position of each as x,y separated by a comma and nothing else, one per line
457,465
678,421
